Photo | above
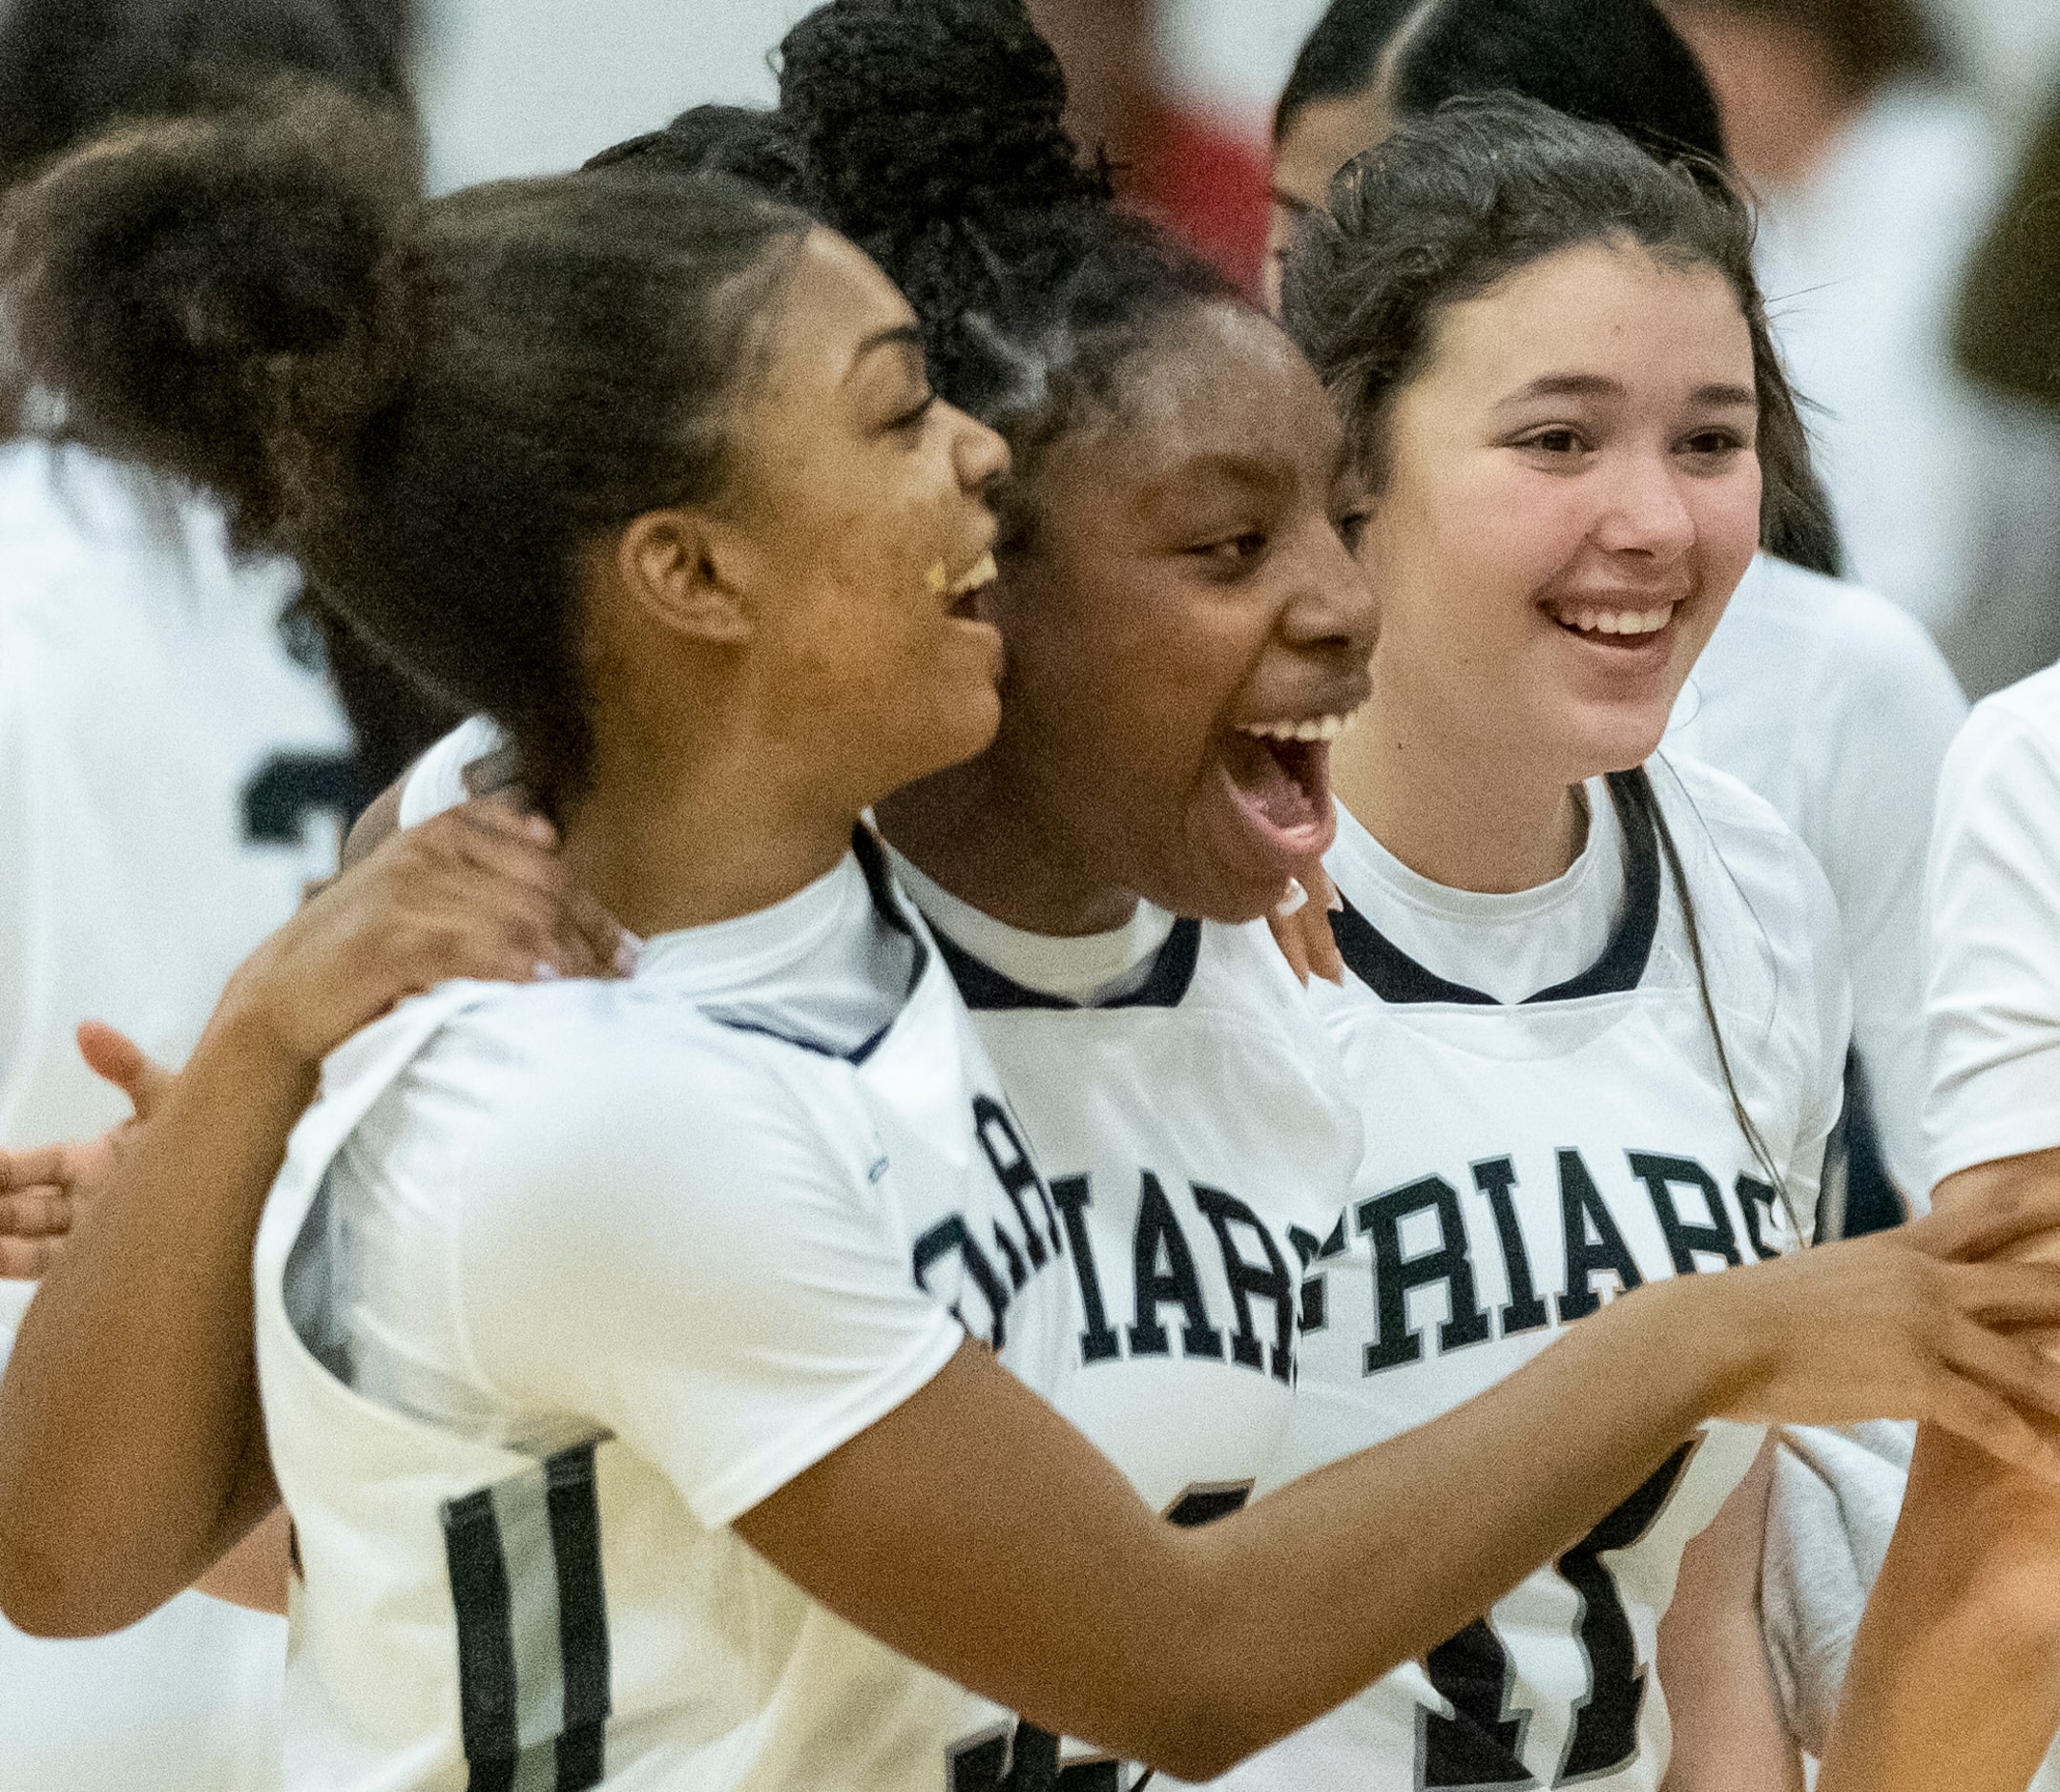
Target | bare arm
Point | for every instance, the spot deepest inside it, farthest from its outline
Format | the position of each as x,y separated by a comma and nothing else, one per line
1955,1676
144,1322
1729,1735
1047,1586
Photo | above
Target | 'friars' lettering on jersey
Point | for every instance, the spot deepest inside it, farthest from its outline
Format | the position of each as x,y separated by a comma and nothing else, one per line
1422,1236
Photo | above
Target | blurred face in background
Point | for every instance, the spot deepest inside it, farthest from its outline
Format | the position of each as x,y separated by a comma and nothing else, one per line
1777,85
1320,139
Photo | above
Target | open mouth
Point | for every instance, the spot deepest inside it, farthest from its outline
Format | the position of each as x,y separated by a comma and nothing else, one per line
1279,779
962,590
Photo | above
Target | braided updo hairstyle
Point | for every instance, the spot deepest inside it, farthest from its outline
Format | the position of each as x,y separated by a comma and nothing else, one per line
435,406
930,132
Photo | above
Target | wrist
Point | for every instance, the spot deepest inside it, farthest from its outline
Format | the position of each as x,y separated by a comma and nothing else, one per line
1705,1339
254,1025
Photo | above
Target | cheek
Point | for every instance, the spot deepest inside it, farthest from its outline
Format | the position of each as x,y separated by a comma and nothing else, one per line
1727,522
1475,554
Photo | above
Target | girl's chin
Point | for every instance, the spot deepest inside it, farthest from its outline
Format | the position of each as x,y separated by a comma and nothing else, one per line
1615,741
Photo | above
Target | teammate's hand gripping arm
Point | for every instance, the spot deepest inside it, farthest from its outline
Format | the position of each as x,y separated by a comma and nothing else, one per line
1955,1676
1045,1585
144,1323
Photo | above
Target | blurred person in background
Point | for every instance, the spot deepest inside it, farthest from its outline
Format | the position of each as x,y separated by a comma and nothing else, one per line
171,777
1878,173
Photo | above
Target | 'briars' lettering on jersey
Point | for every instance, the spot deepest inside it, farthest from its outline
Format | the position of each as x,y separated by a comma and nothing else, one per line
1020,1249
1420,1238
1168,1305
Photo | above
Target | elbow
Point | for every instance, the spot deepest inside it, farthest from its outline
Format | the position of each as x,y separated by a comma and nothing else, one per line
42,1598
1210,1706
1197,1741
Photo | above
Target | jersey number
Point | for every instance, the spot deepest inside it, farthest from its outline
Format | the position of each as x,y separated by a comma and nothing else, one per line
1478,1745
1025,1759
290,787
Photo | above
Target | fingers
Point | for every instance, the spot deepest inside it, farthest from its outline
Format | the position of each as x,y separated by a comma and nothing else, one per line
1980,1418
28,1259
1975,1229
522,846
116,1059
2005,1366
2011,1296
35,1213
1325,958
46,1166
1289,936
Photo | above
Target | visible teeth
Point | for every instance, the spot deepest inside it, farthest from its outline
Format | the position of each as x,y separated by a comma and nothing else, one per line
1620,621
984,573
1325,728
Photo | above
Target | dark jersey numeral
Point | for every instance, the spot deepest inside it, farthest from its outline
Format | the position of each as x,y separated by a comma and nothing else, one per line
1480,1744
292,787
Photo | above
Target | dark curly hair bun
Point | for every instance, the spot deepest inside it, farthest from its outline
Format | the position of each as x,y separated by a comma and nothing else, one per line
908,112
192,287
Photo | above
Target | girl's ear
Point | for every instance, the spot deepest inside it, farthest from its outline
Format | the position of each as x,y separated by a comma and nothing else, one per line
672,564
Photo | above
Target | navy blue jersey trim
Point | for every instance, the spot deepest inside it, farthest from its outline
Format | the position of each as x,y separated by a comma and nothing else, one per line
480,1597
1165,986
573,1500
1394,976
494,1549
887,903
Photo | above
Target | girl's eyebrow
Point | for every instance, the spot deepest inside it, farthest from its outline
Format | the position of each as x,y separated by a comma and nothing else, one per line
1600,386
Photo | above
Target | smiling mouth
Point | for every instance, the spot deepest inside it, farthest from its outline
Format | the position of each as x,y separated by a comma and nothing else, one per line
1618,627
960,591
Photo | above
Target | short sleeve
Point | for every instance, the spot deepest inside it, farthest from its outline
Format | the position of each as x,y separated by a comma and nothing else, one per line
1992,1007
436,783
705,1257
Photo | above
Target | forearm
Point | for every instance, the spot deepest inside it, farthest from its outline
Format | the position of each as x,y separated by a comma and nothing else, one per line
1729,1731
126,1410
1955,1677
1283,1610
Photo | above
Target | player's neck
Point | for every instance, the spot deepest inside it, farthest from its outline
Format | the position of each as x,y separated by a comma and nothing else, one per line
978,836
664,841
1456,811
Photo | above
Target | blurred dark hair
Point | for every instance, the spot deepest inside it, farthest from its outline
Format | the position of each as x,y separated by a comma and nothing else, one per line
1341,58
1614,62
1870,41
434,407
70,68
1451,204
2007,332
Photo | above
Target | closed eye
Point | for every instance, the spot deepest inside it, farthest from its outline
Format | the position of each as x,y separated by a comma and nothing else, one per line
914,419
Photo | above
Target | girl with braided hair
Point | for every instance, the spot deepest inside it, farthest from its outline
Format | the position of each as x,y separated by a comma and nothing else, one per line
1184,620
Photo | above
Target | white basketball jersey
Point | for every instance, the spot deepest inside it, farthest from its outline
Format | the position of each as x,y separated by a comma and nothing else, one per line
478,1615
1192,1129
1524,1164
